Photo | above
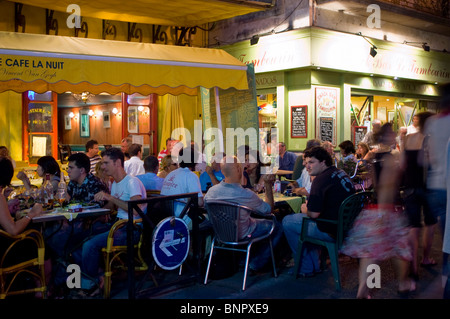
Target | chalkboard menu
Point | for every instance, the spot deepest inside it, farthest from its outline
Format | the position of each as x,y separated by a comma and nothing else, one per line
358,134
40,117
299,119
326,129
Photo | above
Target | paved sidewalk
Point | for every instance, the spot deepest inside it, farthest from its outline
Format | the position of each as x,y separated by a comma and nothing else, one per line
321,286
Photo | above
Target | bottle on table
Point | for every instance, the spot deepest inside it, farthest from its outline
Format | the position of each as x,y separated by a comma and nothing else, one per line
277,187
62,190
46,193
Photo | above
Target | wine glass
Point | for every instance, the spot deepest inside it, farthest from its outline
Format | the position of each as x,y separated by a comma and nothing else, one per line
61,197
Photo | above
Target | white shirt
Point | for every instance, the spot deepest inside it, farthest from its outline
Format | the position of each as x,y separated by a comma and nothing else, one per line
180,181
305,180
134,166
128,187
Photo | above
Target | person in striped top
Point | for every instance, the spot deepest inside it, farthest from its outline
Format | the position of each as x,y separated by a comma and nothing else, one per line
92,153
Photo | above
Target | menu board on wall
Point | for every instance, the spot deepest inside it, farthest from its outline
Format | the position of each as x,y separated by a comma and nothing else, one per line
326,129
238,110
326,112
299,120
358,134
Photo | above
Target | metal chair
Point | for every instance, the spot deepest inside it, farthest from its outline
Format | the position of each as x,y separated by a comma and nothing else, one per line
224,217
348,211
22,254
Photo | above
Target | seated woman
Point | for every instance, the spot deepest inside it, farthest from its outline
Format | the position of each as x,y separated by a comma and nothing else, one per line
46,165
362,150
7,223
4,152
252,178
348,159
167,165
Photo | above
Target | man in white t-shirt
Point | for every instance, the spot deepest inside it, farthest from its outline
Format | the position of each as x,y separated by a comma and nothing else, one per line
124,189
183,180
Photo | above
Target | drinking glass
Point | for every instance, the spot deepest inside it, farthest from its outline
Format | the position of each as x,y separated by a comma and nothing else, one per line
61,197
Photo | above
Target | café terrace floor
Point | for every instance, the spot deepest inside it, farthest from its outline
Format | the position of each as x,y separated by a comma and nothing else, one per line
265,286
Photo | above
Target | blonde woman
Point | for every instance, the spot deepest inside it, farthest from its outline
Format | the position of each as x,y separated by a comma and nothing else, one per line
167,165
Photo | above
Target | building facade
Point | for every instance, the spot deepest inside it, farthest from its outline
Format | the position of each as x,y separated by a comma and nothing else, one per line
326,69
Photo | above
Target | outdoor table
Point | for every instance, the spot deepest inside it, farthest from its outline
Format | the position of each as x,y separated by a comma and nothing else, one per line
56,215
295,202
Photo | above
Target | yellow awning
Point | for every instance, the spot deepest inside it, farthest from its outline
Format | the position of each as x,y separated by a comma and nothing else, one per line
55,63
173,12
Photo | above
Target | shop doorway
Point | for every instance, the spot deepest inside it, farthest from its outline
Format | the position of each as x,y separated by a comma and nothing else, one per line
393,109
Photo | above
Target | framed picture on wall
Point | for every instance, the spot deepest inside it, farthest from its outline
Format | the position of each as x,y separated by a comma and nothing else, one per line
133,119
84,124
106,120
67,122
326,100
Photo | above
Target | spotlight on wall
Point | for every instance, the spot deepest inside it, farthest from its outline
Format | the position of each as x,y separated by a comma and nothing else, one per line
71,115
425,46
115,110
254,40
373,51
90,113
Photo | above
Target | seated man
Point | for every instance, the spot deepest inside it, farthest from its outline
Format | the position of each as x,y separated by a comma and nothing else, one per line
230,190
123,189
150,180
183,180
64,238
286,159
329,189
134,166
302,186
83,184
213,175
92,153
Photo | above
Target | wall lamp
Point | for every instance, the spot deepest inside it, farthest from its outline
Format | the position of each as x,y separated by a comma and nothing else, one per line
373,49
425,47
254,39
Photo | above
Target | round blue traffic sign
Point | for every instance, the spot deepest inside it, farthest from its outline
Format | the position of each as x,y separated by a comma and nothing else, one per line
170,243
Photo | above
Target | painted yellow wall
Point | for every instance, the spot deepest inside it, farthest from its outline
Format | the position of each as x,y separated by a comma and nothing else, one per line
11,123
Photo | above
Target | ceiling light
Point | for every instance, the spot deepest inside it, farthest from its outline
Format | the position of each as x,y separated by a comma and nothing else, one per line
84,96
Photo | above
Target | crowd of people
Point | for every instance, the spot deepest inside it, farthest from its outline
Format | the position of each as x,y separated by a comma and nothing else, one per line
406,172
